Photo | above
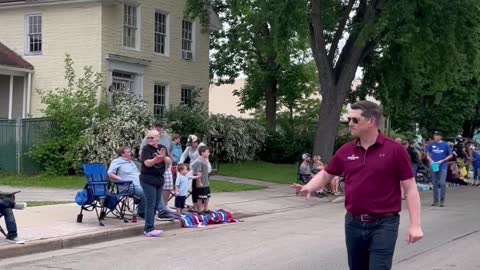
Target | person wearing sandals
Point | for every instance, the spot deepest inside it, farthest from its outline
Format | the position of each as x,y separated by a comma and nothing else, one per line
201,177
154,162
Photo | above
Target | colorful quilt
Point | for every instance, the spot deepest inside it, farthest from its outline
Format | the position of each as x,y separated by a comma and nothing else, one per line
194,220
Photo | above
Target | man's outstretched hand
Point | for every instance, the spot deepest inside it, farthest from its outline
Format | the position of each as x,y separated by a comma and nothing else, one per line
302,190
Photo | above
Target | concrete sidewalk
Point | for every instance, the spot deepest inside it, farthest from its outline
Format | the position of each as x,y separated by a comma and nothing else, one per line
42,194
54,227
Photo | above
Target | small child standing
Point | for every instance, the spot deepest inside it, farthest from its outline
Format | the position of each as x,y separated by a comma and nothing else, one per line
181,187
200,169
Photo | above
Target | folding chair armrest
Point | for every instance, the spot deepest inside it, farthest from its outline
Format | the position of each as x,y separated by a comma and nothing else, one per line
121,182
96,183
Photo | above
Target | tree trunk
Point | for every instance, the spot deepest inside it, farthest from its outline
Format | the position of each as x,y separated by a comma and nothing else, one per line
470,125
327,124
336,78
271,104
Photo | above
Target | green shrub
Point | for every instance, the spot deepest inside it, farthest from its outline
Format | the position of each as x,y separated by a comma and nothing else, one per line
243,138
72,109
285,146
186,120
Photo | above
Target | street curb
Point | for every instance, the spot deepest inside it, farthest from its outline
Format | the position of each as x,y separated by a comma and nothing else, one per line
51,244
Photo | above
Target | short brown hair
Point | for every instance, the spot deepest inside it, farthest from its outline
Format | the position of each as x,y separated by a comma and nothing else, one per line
202,149
121,150
181,167
175,136
369,109
158,124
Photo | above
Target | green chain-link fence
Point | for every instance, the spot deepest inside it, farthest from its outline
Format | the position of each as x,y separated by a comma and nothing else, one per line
17,137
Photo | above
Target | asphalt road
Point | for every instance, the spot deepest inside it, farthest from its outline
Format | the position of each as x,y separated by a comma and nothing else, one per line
309,236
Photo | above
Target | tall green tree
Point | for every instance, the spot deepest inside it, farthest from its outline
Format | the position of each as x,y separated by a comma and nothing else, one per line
417,46
409,47
427,70
264,39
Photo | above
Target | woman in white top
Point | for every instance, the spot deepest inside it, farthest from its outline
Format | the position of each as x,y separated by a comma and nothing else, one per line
191,152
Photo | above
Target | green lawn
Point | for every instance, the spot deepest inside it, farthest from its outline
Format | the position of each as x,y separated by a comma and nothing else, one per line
77,182
71,182
277,173
223,186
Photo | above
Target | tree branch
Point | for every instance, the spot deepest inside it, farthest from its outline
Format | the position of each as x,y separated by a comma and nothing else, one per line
339,33
325,70
354,49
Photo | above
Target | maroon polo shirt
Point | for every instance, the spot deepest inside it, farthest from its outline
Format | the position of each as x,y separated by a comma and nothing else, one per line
373,176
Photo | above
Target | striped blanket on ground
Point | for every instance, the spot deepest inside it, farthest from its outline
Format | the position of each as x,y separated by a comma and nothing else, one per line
194,220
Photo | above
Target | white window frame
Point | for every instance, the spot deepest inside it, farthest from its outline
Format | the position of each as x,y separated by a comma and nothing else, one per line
167,32
130,83
137,27
192,43
191,94
27,33
166,98
122,66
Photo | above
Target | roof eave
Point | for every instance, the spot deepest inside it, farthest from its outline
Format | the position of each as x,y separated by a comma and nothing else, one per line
27,3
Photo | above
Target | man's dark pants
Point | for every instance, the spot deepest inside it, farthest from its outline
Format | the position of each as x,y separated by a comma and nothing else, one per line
6,210
370,245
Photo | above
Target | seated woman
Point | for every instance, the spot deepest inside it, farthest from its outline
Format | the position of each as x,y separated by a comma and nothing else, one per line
6,207
317,165
305,168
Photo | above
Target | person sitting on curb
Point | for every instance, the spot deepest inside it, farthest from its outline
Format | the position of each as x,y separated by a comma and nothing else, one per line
124,169
6,207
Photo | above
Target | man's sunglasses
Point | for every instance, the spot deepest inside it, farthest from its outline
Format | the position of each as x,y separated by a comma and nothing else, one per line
355,120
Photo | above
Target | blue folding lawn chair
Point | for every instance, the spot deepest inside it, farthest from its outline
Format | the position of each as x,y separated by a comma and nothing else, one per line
103,196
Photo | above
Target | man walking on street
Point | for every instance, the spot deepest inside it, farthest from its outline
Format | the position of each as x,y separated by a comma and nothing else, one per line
373,166
438,155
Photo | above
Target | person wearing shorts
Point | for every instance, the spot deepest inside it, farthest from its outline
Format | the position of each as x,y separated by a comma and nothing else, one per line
201,177
168,185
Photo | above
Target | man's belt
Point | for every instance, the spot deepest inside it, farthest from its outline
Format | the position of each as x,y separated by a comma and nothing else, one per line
372,217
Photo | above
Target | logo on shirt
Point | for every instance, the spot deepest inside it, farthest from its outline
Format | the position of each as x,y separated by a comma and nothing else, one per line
353,157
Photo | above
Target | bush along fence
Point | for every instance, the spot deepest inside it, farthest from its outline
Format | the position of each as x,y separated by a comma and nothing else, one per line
17,137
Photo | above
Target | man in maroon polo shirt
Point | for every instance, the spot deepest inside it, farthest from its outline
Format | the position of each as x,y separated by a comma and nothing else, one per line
373,166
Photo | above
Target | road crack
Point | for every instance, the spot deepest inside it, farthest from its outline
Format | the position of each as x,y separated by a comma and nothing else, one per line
439,246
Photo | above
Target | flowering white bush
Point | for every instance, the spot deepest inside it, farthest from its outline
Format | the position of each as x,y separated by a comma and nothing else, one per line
126,125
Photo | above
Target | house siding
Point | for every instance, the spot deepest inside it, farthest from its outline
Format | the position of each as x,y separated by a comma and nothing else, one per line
169,69
89,32
74,29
